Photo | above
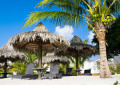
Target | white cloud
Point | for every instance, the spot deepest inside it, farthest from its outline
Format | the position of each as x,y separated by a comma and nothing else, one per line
90,37
66,31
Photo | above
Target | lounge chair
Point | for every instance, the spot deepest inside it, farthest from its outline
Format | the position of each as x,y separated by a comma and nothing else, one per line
54,71
87,72
68,72
28,73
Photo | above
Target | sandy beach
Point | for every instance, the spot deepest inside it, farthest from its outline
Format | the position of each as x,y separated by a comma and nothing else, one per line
71,80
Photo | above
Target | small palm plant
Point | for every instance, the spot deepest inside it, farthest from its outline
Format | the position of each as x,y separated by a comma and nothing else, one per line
31,58
19,67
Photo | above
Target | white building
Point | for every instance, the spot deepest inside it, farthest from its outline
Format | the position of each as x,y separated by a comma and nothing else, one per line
91,65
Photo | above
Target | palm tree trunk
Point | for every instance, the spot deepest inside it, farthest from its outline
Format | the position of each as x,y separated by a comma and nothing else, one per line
104,68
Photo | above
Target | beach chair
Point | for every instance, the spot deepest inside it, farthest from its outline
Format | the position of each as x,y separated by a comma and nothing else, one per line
28,73
87,72
54,71
68,72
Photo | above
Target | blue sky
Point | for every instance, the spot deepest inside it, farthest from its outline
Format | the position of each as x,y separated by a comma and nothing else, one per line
12,18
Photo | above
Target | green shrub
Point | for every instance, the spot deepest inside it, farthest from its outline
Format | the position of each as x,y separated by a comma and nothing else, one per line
112,69
19,67
116,83
117,70
74,73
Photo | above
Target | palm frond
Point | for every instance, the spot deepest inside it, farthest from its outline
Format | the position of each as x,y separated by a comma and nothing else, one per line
104,5
54,16
111,5
114,5
72,60
65,5
89,7
30,58
43,3
99,6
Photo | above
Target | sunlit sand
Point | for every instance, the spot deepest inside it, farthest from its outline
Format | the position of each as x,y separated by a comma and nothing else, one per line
69,80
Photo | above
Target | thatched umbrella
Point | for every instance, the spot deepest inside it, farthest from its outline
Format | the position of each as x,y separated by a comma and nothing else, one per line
78,48
37,40
8,53
50,58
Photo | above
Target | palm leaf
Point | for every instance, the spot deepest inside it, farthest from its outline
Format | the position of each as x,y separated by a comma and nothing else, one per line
44,3
66,5
90,9
100,6
71,59
55,16
104,5
114,5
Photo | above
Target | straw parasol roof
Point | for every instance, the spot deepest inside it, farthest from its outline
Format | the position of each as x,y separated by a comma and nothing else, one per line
37,40
79,48
29,41
50,57
7,52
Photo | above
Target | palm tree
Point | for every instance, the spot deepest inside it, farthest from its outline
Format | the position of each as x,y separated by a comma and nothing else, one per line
97,13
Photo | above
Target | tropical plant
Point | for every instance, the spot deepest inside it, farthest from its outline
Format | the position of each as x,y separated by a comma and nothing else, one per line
1,71
81,61
116,83
112,68
72,65
62,67
98,15
19,67
117,69
31,58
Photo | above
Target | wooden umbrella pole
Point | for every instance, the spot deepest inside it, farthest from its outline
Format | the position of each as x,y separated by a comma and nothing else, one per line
77,64
40,61
5,69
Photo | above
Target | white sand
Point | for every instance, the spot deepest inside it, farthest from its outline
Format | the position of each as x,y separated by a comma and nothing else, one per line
71,80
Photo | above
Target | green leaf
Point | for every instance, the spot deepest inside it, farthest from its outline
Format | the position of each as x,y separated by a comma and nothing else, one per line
55,16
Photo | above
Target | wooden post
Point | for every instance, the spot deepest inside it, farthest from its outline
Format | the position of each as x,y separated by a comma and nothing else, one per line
77,65
40,62
5,69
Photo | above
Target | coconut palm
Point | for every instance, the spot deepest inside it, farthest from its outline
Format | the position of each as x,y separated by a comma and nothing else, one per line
97,13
